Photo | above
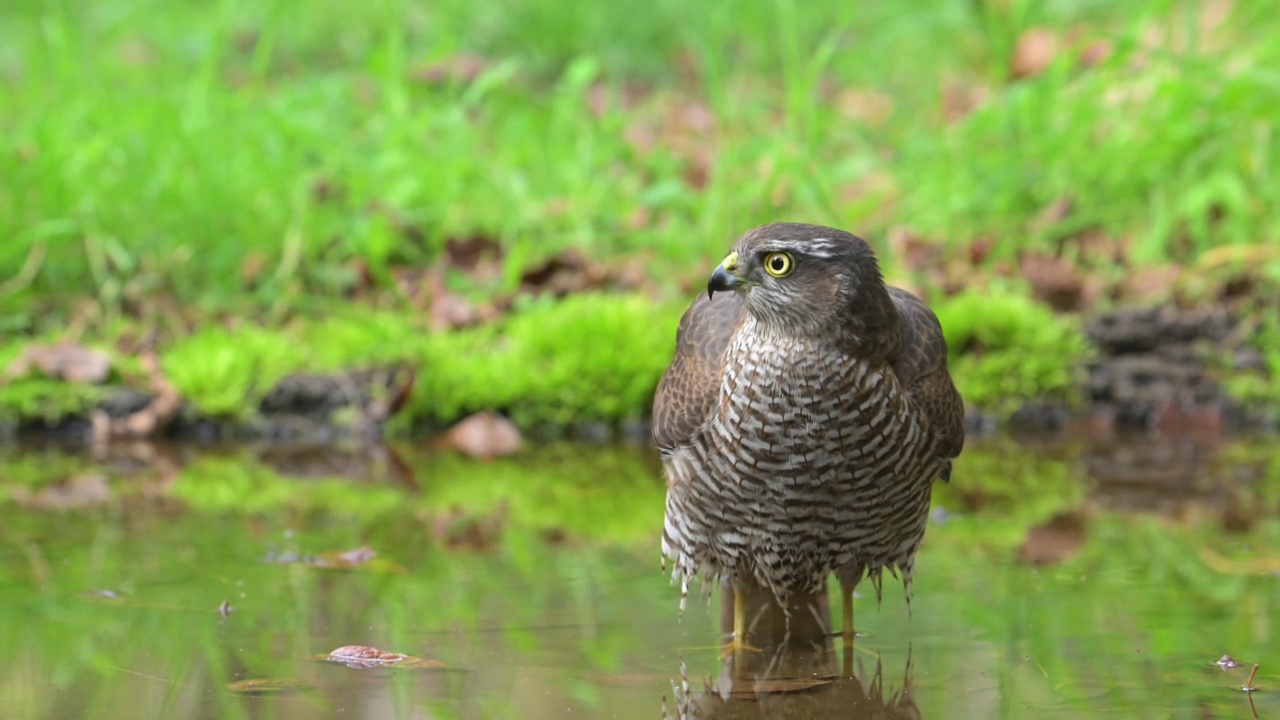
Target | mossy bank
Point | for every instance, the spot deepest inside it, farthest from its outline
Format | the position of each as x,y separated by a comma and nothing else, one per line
586,365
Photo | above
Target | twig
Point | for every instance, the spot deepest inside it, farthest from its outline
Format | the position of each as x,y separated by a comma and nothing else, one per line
1248,684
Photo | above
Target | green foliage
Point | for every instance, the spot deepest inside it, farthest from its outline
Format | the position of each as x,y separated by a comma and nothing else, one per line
588,357
1005,348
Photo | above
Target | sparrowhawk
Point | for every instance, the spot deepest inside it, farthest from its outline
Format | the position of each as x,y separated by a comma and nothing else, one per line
803,421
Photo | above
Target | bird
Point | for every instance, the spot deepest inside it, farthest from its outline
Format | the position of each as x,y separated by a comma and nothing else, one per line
802,422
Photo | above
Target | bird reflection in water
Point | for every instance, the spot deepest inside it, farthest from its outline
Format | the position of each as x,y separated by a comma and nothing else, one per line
795,668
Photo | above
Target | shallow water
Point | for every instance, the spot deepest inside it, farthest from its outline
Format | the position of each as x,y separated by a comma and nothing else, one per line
1056,581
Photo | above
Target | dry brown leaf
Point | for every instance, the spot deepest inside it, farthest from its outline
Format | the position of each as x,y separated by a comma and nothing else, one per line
958,100
66,360
461,69
1054,281
870,107
1095,53
1033,53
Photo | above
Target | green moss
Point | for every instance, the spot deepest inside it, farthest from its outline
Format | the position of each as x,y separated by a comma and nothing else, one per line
589,357
1005,349
224,373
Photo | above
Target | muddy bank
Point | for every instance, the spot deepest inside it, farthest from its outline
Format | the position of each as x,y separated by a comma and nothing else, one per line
1157,369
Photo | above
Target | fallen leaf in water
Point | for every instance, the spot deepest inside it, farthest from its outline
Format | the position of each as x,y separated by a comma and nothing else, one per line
267,686
359,558
483,435
362,657
1054,541
66,360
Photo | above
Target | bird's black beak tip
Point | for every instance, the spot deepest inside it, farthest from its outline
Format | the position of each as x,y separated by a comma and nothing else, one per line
720,280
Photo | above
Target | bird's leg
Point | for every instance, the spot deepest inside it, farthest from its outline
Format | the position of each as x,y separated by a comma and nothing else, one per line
846,630
739,617
741,607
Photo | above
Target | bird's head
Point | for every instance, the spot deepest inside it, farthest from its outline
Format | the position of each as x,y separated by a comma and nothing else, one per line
804,279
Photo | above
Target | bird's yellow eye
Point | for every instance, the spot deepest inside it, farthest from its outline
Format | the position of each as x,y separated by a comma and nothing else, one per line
779,264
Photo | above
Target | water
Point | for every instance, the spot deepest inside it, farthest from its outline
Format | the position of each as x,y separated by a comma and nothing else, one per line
1056,581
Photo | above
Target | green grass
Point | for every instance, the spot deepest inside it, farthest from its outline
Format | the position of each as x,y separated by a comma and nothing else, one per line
175,151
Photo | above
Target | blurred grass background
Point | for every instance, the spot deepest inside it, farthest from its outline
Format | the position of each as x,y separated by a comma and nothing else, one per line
172,164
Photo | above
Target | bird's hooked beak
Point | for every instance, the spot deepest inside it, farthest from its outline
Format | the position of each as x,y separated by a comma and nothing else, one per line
724,278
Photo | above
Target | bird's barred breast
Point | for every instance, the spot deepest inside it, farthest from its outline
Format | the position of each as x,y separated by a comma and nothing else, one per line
810,462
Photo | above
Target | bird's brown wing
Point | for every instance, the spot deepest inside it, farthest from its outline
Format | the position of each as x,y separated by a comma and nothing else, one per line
687,392
921,367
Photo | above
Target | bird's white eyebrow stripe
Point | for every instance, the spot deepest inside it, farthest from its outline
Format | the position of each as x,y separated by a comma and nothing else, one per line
816,247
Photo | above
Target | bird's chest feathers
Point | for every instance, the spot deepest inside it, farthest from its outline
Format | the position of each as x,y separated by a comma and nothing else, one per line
787,398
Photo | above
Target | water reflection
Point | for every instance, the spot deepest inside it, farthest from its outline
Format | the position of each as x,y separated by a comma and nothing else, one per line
798,667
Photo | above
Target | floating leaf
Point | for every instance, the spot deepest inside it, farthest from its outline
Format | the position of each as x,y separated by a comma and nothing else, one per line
1226,662
362,657
360,558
